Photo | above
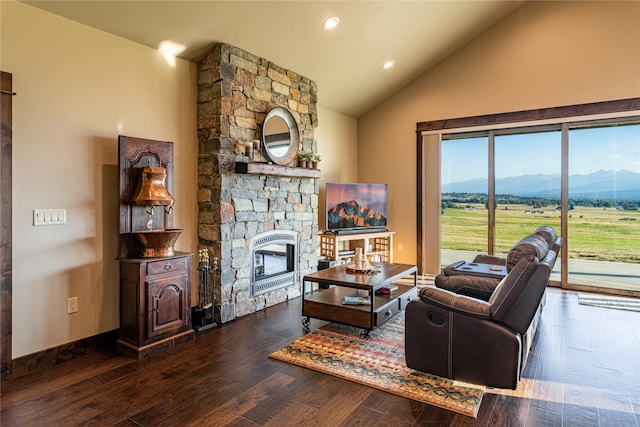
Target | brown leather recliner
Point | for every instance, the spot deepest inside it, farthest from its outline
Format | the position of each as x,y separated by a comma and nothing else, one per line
482,342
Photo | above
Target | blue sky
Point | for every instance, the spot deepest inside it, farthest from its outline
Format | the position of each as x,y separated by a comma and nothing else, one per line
590,150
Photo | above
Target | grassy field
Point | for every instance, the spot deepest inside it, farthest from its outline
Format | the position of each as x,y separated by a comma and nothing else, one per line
594,233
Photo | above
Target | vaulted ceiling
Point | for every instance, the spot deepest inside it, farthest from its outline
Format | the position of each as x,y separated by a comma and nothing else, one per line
345,62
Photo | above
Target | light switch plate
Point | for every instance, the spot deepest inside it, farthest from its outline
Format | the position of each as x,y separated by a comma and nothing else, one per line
49,216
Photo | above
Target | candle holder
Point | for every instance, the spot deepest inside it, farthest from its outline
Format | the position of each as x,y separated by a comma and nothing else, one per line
248,151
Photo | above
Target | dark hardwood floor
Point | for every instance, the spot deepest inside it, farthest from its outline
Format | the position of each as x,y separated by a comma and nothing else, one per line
584,370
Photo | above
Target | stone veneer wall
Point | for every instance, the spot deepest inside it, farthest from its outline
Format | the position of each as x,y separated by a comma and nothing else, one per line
236,89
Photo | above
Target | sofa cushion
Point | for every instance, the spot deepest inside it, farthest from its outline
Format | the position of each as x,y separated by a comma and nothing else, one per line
530,245
548,233
504,299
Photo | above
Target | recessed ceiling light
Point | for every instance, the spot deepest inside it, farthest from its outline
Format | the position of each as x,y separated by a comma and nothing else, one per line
331,22
389,64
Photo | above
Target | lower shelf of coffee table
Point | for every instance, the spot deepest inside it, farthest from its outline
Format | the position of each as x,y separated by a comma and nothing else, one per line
326,304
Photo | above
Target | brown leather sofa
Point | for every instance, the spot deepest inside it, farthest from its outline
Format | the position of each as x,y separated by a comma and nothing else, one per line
482,342
463,278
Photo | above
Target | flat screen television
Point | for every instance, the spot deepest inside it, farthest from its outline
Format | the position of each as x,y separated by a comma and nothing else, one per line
356,207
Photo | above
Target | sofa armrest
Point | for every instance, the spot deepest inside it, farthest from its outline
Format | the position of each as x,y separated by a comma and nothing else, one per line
557,244
472,286
455,302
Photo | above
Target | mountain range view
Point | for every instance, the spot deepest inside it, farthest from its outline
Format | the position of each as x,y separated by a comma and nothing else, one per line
351,214
617,185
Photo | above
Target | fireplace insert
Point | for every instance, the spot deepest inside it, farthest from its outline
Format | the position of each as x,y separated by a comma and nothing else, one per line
274,261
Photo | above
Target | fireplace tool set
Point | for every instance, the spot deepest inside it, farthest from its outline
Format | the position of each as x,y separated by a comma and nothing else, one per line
203,315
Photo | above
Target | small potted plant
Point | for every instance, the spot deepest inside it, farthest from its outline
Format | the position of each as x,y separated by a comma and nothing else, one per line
315,159
304,159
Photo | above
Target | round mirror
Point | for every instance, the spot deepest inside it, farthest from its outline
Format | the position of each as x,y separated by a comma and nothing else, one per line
280,136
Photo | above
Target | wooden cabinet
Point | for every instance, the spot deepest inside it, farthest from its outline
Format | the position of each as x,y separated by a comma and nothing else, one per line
342,247
155,303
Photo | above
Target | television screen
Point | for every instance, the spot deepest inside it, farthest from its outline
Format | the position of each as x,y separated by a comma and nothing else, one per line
355,206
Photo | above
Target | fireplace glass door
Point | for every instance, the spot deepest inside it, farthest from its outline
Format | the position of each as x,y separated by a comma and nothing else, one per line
272,260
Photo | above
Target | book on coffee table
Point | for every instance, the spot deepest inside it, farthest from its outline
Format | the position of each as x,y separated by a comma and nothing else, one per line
356,301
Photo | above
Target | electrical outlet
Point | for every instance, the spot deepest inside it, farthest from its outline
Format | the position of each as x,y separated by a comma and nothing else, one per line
72,305
400,247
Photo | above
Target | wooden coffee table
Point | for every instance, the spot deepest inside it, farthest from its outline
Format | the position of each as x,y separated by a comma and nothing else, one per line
327,304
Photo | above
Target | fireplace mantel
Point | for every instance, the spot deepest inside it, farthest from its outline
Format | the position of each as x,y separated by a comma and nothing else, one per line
275,170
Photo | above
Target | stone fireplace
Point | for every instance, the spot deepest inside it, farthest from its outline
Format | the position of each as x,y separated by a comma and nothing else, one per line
236,90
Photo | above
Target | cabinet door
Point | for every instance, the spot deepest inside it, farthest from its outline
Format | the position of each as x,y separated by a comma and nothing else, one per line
166,305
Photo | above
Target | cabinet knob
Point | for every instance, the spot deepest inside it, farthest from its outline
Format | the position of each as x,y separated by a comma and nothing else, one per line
167,266
388,312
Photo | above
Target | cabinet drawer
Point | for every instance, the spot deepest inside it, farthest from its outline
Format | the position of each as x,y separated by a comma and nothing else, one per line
385,313
173,265
408,296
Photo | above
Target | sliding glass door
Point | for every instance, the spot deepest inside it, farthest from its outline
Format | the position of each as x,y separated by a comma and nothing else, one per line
604,197
527,187
464,215
501,185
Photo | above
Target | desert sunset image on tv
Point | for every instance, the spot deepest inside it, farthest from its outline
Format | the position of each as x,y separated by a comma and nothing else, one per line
355,205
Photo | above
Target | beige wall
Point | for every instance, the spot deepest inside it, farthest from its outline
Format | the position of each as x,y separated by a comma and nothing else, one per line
337,137
544,54
77,90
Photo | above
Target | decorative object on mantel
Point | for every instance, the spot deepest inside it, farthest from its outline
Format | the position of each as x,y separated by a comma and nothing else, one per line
203,316
315,159
248,150
257,152
304,160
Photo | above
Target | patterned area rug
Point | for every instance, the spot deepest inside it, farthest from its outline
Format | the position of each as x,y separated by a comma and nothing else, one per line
608,301
378,362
